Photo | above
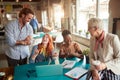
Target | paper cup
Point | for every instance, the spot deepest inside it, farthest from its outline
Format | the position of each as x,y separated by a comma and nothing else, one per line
96,62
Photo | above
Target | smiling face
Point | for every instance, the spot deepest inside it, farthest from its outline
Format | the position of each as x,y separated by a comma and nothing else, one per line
68,39
45,39
26,18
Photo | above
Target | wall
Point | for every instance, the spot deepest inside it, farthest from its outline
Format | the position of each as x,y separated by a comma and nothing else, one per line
114,11
82,40
8,6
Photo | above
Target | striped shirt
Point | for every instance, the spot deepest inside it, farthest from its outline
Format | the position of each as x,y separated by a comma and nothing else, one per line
104,75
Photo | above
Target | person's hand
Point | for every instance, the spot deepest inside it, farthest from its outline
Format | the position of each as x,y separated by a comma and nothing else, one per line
22,42
100,67
55,54
77,55
28,40
62,52
35,54
36,51
95,75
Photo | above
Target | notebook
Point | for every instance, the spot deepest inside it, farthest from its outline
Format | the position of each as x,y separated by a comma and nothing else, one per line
76,72
49,70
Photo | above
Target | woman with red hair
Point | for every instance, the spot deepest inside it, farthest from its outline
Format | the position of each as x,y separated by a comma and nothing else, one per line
43,51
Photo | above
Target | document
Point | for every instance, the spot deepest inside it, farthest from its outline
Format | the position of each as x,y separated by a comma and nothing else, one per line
76,72
68,64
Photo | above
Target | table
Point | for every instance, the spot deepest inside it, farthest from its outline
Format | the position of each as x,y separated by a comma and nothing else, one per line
20,72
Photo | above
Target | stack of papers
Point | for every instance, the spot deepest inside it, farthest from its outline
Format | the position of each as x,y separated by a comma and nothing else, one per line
68,64
76,72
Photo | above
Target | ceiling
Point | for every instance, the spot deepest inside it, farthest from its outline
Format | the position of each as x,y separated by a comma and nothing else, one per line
21,0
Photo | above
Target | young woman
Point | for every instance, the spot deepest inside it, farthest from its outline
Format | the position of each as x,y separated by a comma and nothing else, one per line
69,48
43,51
104,53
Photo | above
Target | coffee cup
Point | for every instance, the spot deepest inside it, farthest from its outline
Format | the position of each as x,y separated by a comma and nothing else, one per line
2,74
96,62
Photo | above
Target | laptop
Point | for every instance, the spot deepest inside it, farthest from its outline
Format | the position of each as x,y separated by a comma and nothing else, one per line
49,70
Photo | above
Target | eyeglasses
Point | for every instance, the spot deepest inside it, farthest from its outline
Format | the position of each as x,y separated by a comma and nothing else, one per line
91,28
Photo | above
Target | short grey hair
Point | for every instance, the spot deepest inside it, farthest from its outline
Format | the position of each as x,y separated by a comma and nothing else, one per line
95,22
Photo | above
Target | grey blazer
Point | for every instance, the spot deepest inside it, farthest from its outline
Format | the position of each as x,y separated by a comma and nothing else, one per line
109,53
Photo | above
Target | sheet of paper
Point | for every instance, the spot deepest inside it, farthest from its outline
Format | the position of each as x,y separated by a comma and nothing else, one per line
68,64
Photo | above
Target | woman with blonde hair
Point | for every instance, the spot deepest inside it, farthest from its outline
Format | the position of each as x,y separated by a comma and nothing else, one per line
43,51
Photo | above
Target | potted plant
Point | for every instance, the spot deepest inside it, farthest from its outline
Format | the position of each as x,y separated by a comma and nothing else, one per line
85,53
87,34
80,31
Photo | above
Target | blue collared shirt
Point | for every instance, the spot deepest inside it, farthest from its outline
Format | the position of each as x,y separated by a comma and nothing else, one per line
14,33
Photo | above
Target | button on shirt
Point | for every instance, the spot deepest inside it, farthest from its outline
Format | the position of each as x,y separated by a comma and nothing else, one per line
14,33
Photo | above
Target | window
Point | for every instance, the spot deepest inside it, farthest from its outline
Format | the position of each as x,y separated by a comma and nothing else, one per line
44,18
58,14
87,9
103,13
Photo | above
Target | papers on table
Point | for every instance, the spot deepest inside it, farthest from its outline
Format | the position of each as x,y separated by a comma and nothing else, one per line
68,64
76,72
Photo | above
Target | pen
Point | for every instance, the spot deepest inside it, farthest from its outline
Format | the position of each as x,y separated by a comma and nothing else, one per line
64,65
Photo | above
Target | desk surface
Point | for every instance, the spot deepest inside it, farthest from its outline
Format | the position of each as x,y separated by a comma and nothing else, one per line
20,72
